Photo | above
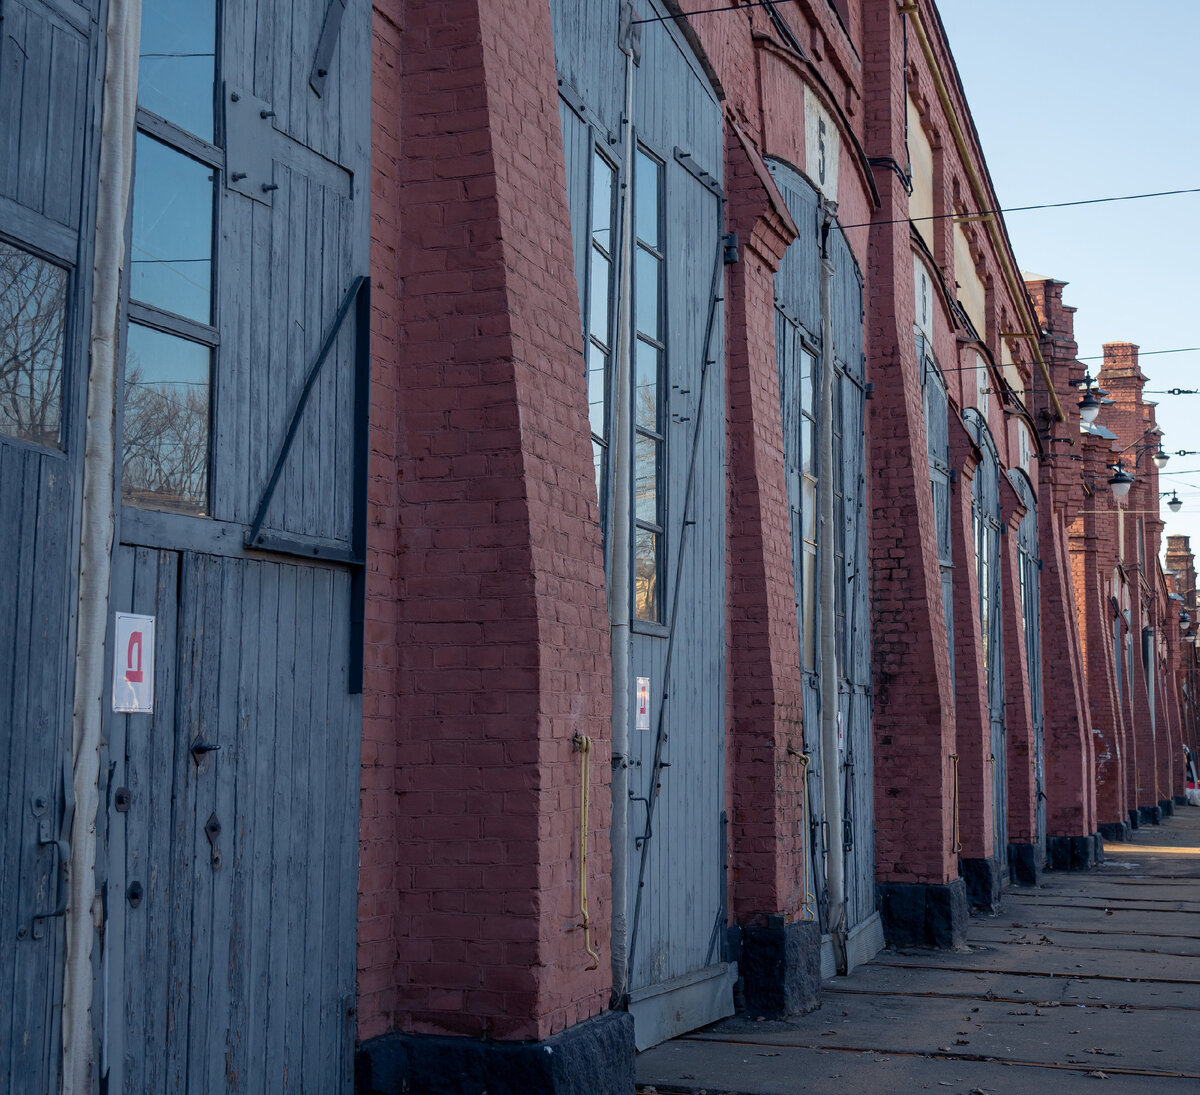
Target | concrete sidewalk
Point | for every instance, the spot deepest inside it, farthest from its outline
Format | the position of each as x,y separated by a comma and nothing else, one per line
1088,983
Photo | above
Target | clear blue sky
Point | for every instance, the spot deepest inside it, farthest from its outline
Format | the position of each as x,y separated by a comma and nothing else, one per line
1076,99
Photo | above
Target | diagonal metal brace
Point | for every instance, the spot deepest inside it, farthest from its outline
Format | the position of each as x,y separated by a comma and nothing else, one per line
252,537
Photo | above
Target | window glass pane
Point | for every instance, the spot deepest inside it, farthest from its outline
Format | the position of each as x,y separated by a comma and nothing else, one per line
645,284
645,576
33,315
808,367
597,388
808,510
598,305
646,177
645,399
645,481
602,201
598,460
808,448
170,266
165,431
176,66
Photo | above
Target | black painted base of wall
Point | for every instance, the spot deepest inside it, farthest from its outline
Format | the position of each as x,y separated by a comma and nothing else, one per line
1025,864
983,882
1116,830
1166,806
1098,838
594,1057
779,967
1150,815
918,914
1073,853
1135,819
1179,800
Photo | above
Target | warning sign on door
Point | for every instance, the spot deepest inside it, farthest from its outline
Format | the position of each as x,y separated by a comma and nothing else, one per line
643,703
133,664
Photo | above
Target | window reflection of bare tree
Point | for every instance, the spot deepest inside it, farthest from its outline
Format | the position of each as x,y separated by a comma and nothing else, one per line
165,442
32,331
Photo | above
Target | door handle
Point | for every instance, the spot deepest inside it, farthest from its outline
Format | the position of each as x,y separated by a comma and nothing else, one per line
63,858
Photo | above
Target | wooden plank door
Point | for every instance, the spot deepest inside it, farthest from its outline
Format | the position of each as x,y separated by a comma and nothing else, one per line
678,977
1029,576
675,855
864,927
48,89
799,338
985,504
234,841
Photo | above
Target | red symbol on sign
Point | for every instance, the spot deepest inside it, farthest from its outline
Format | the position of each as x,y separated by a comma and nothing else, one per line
133,658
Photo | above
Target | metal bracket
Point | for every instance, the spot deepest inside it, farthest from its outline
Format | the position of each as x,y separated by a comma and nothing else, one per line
249,131
326,45
684,159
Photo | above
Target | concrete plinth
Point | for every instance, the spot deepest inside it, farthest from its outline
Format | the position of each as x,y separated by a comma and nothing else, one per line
594,1057
918,914
780,965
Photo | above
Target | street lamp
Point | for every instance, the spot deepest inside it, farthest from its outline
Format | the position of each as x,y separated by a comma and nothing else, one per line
1089,407
1174,502
1121,481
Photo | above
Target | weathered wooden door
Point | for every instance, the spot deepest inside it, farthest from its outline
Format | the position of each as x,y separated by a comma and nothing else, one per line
48,113
985,508
799,337
233,808
678,978
1029,575
937,435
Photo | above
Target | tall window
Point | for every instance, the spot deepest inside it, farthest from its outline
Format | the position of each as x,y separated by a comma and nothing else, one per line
648,350
808,508
599,315
171,333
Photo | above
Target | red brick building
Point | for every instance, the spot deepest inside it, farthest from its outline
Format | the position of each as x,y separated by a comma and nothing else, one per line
1132,626
712,528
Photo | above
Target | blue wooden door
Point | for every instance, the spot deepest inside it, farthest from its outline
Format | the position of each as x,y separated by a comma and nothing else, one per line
1029,575
985,509
678,977
232,844
799,341
48,112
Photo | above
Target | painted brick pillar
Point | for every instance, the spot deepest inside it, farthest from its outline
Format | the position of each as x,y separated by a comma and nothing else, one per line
768,819
922,897
488,658
1069,755
1130,419
1181,580
1093,558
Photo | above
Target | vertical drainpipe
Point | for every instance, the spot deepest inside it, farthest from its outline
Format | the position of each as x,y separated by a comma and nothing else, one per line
831,758
619,589
96,537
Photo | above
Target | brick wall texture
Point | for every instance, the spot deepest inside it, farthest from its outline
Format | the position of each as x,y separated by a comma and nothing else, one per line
487,635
